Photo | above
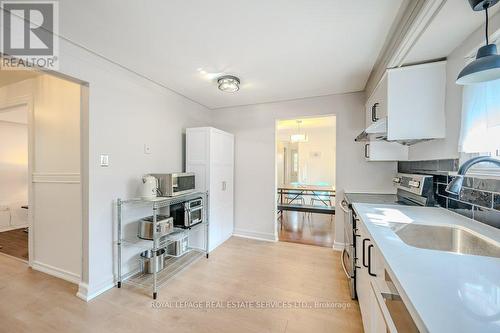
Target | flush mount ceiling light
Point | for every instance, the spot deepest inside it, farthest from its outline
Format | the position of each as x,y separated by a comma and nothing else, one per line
299,137
486,66
229,83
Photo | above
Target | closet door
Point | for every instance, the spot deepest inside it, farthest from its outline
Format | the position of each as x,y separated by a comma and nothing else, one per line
222,187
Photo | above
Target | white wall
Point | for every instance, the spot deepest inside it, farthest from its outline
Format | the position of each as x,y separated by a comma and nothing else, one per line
13,170
255,172
57,210
125,112
316,156
448,147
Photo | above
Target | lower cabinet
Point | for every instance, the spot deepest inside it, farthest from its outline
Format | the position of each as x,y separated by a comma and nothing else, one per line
382,310
367,254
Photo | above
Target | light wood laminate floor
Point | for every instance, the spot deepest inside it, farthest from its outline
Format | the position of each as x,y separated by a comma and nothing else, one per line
240,270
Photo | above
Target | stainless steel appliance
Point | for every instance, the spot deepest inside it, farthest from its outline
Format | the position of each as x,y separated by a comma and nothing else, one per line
412,190
179,244
173,184
164,226
152,261
187,214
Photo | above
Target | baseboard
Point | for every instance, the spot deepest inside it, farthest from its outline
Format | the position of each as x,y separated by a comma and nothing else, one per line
262,236
57,272
338,246
14,227
85,294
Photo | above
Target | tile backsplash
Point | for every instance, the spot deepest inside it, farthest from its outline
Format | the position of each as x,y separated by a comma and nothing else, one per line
479,198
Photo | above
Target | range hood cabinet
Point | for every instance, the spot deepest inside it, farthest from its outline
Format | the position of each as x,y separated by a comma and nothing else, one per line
407,105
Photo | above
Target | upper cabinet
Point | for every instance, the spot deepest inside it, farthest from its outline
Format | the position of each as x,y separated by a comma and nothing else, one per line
408,104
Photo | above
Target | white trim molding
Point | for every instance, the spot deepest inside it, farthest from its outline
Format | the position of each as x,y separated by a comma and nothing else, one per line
57,272
64,178
415,18
262,236
338,246
84,293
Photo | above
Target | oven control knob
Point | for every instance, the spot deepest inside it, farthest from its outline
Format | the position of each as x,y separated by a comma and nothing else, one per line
396,180
413,183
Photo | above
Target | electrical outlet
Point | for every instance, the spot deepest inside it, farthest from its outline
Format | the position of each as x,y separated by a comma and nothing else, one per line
104,160
147,149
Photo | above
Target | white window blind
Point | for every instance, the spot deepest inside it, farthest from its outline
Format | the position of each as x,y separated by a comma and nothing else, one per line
480,129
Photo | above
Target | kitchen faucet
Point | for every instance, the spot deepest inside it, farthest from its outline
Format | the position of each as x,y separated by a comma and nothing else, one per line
456,184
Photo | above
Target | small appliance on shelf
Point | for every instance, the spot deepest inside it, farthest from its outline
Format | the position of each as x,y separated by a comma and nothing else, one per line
164,226
174,184
187,214
149,187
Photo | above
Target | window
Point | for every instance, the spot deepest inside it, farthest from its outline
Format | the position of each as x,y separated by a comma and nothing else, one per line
480,130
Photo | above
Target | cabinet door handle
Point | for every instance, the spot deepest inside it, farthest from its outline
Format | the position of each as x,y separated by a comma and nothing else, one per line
374,112
366,150
224,185
364,256
370,247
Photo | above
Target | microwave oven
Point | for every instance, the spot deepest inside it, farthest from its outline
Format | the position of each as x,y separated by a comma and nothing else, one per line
173,184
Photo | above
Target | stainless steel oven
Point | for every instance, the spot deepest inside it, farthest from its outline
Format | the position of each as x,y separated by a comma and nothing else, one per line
414,190
187,214
348,259
173,184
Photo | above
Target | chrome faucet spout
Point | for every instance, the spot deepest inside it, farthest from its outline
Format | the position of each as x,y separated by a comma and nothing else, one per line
456,184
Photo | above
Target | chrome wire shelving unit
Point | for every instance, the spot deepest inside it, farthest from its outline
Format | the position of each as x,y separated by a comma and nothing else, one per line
172,265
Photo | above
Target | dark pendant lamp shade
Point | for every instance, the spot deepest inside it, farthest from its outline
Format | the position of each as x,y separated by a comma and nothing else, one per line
486,66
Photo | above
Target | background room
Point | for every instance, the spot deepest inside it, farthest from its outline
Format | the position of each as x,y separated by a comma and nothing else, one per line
305,162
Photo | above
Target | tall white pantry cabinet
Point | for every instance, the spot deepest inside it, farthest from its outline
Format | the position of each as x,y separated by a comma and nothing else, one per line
210,155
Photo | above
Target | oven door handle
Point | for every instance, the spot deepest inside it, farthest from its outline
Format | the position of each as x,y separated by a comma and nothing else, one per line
195,209
343,264
344,207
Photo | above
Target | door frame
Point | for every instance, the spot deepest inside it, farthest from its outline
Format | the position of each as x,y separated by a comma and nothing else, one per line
276,121
26,100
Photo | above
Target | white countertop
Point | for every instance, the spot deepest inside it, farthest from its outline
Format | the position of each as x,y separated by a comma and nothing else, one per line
444,291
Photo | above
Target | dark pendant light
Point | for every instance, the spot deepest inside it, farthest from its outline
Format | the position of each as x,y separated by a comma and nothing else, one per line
486,66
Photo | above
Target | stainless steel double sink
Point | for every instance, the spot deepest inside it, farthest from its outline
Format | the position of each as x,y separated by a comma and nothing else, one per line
445,238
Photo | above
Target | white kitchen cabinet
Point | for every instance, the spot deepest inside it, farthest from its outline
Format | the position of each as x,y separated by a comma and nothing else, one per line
385,151
408,103
362,277
210,155
371,282
371,268
376,105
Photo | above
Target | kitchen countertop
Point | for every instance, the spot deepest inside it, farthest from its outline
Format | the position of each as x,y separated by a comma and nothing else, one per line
444,291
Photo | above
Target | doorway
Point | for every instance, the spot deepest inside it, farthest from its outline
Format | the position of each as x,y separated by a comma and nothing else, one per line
14,181
41,201
305,180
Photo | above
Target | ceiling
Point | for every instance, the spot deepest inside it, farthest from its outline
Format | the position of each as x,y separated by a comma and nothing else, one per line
280,49
10,77
451,26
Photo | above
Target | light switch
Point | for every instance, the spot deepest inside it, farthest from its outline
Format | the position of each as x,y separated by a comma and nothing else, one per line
104,160
147,149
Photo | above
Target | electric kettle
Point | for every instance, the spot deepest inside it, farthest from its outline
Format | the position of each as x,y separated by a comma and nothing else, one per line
149,187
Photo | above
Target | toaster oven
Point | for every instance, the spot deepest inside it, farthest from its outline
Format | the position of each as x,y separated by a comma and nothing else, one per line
187,214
